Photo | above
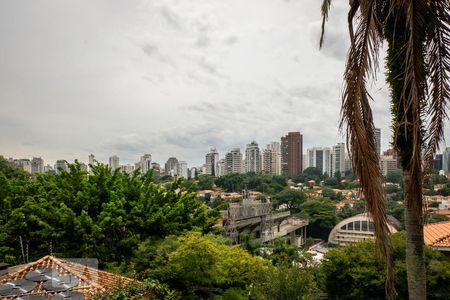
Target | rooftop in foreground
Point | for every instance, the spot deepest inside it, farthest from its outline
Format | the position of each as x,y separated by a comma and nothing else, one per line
53,278
437,235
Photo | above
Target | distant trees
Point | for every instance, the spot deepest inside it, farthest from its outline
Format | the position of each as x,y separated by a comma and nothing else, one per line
290,199
269,184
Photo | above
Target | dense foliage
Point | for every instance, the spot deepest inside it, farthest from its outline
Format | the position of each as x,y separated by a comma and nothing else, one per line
357,269
103,215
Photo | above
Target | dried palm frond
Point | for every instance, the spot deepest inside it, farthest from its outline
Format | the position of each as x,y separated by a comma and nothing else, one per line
356,117
325,8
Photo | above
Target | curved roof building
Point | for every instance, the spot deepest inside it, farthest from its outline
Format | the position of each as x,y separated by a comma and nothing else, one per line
357,228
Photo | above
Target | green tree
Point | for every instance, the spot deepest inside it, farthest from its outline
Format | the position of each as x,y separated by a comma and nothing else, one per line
321,214
290,198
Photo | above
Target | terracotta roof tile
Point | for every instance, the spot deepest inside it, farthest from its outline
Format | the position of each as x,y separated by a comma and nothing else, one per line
91,281
437,234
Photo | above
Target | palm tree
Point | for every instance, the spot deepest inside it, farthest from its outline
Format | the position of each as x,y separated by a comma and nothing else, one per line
417,33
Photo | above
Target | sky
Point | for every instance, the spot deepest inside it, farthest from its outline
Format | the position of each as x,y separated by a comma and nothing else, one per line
170,77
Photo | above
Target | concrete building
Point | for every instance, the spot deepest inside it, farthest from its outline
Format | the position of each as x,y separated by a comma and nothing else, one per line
92,162
388,164
145,163
193,173
60,166
171,166
291,154
221,168
182,169
114,163
37,165
320,158
271,159
252,158
211,159
438,162
233,161
378,140
127,169
338,160
24,164
446,161
156,169
357,228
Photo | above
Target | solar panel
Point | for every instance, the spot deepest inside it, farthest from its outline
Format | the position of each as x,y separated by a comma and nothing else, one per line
41,274
32,297
61,283
68,295
17,287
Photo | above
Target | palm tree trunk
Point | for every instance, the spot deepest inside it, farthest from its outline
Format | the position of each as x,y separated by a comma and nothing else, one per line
415,258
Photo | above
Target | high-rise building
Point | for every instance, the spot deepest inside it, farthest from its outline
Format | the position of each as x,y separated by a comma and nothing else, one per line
182,169
252,158
438,162
291,154
388,164
91,162
271,159
233,161
146,163
193,173
211,159
24,164
171,166
156,169
60,166
338,160
114,163
221,168
127,169
37,165
378,140
320,158
446,161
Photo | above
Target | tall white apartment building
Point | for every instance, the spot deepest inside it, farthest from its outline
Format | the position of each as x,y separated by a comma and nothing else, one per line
146,163
388,163
271,159
182,169
221,168
37,165
211,159
320,158
252,158
114,163
338,159
446,161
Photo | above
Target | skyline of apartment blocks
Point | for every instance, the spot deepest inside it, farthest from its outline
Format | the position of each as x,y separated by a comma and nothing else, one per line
114,163
320,158
211,159
291,154
252,158
338,159
233,161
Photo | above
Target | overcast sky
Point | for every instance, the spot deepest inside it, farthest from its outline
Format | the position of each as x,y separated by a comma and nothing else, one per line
170,78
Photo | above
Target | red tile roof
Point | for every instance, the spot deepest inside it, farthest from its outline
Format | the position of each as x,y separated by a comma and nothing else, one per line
91,281
437,234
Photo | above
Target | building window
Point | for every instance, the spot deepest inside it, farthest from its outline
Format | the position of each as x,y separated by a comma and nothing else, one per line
364,226
350,226
358,225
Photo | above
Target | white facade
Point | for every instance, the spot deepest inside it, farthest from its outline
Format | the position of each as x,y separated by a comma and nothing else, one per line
127,169
146,163
114,163
37,165
252,158
355,229
271,159
446,161
182,169
320,158
221,168
171,166
211,159
91,159
60,165
338,159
